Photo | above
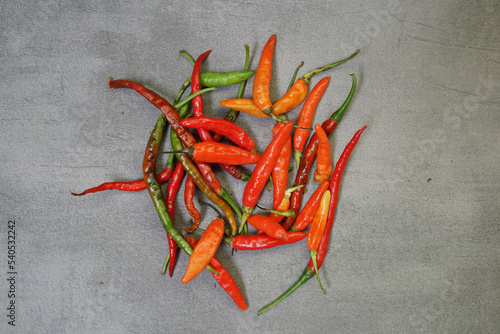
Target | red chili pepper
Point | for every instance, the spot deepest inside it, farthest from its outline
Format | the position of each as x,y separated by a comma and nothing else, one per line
137,185
307,213
214,152
280,171
268,226
172,189
263,170
189,190
225,280
309,271
262,78
323,161
262,241
317,230
306,116
205,250
310,152
226,128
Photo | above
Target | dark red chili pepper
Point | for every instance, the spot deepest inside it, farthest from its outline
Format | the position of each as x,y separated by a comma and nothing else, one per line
309,271
263,170
306,215
172,189
226,128
306,116
225,280
310,152
280,171
262,241
189,190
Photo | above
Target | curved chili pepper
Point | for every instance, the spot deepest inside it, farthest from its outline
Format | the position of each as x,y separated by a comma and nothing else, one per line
225,280
263,170
189,190
310,152
309,271
283,207
306,116
214,79
323,160
226,128
262,241
202,184
262,78
205,249
172,189
268,226
214,152
316,232
306,215
298,92
154,189
280,171
244,105
184,135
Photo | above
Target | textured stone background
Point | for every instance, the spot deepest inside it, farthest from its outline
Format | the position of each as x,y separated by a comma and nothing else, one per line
407,255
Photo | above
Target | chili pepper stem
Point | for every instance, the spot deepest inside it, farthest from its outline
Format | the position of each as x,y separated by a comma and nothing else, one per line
247,211
269,112
166,263
298,156
314,254
306,77
306,275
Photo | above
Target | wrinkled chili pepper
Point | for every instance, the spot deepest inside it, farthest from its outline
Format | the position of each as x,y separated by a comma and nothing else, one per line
268,226
226,128
189,190
298,92
205,249
280,171
306,116
214,152
323,159
154,189
185,136
306,215
334,187
263,170
225,280
310,152
262,241
316,232
172,189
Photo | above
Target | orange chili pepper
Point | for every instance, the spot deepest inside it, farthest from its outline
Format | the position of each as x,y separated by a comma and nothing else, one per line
205,250
280,171
306,215
243,105
262,78
323,160
306,116
268,226
284,205
298,92
316,231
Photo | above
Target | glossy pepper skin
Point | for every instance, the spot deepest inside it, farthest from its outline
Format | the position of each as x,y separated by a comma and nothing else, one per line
215,79
283,206
280,171
323,160
205,249
306,115
225,280
268,226
263,170
214,152
306,215
262,79
262,241
226,128
309,154
309,271
189,191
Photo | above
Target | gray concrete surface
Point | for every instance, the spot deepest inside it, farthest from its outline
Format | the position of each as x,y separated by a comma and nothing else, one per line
416,241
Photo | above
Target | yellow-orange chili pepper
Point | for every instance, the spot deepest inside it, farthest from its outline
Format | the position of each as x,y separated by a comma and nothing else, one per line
262,78
323,160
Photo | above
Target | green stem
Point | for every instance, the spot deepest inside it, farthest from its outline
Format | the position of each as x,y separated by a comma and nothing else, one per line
295,75
306,77
192,96
188,56
306,275
314,254
166,263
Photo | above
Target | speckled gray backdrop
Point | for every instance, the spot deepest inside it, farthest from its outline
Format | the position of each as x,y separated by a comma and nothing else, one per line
416,241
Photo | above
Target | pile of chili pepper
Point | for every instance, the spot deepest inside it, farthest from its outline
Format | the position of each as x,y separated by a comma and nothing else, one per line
191,157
